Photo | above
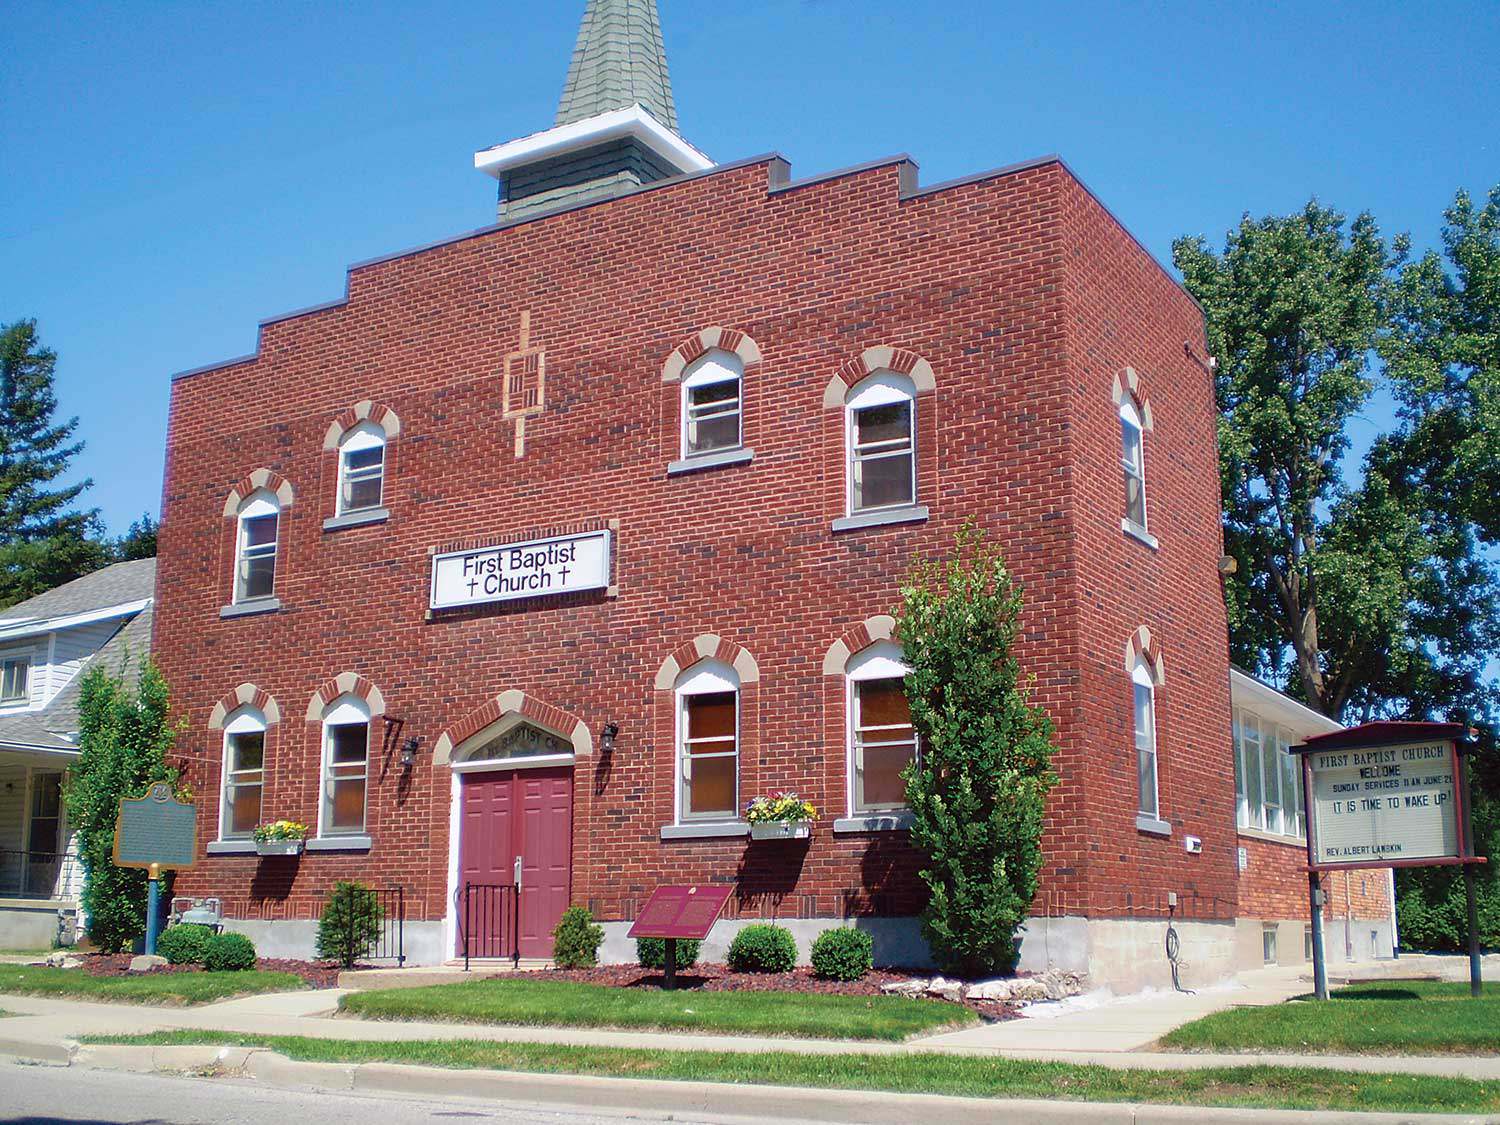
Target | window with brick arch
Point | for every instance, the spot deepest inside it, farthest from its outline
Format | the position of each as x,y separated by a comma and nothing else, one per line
1144,688
712,404
258,525
1133,462
881,421
882,741
346,752
244,773
708,742
361,469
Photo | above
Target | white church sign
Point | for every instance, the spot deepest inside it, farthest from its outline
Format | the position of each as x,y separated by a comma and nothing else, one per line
535,568
1388,804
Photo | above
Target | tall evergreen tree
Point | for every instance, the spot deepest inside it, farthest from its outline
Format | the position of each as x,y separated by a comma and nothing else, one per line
45,538
139,540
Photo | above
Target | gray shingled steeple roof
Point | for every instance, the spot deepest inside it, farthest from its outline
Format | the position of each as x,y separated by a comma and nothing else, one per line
618,60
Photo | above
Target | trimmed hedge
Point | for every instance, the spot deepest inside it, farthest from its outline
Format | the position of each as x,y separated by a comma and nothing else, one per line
651,952
185,944
575,941
763,948
229,953
843,954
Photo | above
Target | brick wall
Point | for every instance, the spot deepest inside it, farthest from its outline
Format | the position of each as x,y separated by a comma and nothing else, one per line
1023,295
1274,885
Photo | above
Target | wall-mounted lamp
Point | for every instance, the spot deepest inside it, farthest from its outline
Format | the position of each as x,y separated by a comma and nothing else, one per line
607,737
409,752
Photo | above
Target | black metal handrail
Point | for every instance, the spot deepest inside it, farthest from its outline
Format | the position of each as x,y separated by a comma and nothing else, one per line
487,912
378,923
31,873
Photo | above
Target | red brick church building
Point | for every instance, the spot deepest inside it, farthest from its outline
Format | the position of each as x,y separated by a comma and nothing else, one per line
549,546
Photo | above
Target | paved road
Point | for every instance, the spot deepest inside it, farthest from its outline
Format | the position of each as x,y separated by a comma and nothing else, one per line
45,1095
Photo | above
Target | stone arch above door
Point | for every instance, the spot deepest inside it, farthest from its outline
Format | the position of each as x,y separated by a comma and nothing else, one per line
519,706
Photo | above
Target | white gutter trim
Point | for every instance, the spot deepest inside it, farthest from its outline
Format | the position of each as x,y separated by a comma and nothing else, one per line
1245,689
30,627
632,121
28,748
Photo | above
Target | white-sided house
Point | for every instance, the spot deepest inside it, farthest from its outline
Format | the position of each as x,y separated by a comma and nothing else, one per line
45,645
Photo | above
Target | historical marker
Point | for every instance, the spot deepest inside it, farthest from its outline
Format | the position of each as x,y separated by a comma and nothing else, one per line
153,832
679,911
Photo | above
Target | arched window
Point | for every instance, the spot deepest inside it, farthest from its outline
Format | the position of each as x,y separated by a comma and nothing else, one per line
1144,686
708,741
361,468
346,753
1133,460
881,415
712,405
882,741
255,557
244,773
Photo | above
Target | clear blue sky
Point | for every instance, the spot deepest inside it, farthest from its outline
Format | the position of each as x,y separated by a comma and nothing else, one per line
171,173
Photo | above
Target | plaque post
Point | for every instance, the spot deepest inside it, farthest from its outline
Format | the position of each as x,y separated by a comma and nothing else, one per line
153,907
1466,827
1320,963
669,980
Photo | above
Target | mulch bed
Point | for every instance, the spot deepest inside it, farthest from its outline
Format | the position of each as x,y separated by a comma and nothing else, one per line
720,978
318,974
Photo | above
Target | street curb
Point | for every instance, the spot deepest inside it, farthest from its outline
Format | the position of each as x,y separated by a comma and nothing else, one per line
60,1053
720,1101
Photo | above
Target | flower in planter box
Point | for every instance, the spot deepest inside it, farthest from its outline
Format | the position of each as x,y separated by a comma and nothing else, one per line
779,805
280,830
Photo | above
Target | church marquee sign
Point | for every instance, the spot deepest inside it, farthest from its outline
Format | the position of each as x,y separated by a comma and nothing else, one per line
564,564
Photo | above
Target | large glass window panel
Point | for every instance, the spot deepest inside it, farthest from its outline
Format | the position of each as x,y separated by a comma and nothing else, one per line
14,680
713,417
363,478
1134,466
710,754
1145,748
883,456
885,743
257,564
1255,794
344,779
244,775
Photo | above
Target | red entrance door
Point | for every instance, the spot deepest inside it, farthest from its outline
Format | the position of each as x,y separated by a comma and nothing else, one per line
505,815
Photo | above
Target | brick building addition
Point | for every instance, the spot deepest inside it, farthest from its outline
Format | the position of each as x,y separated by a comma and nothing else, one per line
607,506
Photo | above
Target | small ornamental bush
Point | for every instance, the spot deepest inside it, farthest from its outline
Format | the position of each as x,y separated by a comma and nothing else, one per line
843,954
651,952
350,924
229,953
575,942
184,944
763,948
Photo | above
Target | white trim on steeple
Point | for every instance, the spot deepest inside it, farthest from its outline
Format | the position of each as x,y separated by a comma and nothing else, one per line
618,124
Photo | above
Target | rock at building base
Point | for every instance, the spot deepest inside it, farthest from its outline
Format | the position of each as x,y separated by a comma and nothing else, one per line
60,960
144,962
1054,984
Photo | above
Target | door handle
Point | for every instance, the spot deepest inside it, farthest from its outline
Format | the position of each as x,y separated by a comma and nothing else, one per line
516,873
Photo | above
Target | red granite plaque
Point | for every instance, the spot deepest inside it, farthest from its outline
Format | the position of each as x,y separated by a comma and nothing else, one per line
679,911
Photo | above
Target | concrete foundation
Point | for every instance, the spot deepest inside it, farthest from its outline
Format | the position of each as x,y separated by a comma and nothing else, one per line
422,942
33,923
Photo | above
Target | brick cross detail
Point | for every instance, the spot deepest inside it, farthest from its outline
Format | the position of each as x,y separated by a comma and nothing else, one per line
523,384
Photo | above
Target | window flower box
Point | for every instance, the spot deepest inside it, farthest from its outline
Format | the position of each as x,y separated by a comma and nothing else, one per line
280,837
279,847
780,816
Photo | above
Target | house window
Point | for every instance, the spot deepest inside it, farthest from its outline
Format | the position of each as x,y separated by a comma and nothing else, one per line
1268,944
712,406
881,421
361,469
1133,459
1145,739
708,741
346,750
255,570
15,679
1267,777
882,740
244,773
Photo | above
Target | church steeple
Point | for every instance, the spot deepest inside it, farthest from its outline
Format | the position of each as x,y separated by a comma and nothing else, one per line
619,60
616,127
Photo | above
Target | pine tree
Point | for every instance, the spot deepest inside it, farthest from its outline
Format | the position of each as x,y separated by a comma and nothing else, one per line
45,539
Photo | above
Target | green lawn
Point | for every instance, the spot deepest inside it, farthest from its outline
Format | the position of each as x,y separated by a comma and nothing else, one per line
1399,1017
534,1003
143,988
915,1073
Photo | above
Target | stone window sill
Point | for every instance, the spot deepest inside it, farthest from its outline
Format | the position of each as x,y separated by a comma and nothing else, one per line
875,822
1136,531
1273,837
356,519
1153,825
231,847
251,608
723,829
912,513
719,460
339,844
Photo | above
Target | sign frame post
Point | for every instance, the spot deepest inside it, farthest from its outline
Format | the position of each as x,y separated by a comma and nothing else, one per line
152,832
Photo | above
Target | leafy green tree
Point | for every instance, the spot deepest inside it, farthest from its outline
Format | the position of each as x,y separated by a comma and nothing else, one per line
124,737
978,790
139,540
45,539
1364,597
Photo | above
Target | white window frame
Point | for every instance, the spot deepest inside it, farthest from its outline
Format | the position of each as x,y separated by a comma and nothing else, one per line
880,661
1262,753
366,435
883,388
1130,415
245,720
7,661
707,677
256,506
1141,677
346,710
715,366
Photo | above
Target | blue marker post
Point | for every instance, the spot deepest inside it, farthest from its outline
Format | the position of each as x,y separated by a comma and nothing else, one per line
153,907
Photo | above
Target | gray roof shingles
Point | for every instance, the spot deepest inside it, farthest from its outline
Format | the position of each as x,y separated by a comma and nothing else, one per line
113,585
619,60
